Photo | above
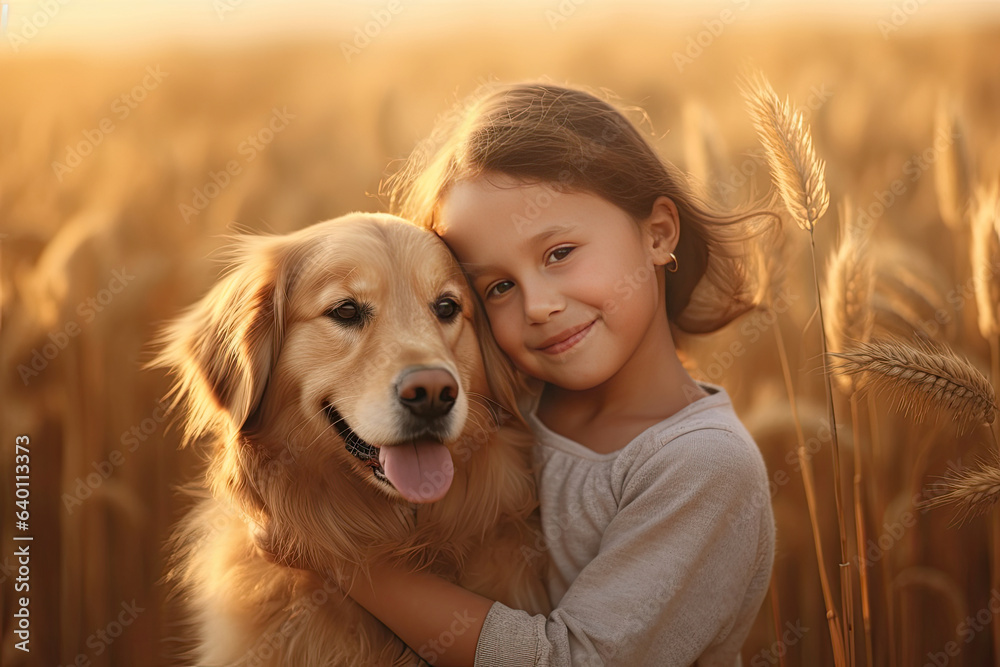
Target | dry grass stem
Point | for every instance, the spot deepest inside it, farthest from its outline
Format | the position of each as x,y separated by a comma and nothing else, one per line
859,526
797,173
922,377
805,467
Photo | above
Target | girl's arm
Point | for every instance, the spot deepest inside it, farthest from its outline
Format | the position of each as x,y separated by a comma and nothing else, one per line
680,575
437,619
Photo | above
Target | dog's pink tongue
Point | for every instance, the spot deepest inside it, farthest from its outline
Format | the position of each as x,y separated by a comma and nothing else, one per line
421,470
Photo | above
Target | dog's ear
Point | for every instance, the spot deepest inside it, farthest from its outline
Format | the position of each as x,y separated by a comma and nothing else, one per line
507,383
221,350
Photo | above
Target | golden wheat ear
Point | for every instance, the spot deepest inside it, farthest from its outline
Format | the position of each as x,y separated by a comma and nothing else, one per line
220,351
922,376
972,491
798,174
850,289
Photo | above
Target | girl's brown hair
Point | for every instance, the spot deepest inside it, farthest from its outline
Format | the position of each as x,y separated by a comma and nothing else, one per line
573,140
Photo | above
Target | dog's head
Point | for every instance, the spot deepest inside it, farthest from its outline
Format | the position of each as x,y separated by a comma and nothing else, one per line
351,344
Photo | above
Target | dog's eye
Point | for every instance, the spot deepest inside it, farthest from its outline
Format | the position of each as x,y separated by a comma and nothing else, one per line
347,313
446,309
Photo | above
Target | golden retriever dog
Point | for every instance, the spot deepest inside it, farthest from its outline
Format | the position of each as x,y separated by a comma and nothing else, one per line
355,409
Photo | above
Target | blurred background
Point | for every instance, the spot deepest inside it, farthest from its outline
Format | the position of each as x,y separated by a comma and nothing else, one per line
133,135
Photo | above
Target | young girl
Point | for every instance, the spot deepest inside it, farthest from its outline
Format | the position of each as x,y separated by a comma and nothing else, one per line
590,256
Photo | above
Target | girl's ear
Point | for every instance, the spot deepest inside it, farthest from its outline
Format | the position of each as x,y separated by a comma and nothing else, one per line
662,230
221,350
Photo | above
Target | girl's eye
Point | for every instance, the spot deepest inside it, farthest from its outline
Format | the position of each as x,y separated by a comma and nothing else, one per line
561,253
499,288
446,309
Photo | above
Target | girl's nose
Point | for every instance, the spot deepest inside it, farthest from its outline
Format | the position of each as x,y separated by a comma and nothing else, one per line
541,301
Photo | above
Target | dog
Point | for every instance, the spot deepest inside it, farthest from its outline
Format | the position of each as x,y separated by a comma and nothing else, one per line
356,409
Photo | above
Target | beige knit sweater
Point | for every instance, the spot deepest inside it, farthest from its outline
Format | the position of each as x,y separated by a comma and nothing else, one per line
661,551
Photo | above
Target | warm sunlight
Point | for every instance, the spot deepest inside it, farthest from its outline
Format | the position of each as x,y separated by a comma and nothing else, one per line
167,169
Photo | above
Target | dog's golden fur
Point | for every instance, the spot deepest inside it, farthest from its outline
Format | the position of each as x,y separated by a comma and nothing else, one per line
287,513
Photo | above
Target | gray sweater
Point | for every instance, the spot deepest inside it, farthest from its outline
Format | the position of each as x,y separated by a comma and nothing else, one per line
661,552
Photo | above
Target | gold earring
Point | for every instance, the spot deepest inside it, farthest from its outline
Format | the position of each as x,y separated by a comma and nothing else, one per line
675,266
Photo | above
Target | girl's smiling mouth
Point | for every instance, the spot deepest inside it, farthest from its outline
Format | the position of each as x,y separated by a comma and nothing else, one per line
566,339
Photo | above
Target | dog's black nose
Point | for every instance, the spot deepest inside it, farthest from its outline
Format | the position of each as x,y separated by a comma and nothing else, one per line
428,392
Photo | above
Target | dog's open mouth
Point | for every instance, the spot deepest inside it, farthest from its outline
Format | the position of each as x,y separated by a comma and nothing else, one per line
364,452
420,469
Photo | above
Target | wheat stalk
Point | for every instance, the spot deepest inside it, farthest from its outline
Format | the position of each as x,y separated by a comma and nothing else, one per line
986,259
799,177
805,467
973,491
850,287
797,173
980,489
922,377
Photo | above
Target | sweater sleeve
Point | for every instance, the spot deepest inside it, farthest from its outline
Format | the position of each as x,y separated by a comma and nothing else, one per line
681,572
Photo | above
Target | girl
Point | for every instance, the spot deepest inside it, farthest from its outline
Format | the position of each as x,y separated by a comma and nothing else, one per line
654,497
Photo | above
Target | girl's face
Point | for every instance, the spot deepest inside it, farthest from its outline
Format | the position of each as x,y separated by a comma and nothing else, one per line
569,280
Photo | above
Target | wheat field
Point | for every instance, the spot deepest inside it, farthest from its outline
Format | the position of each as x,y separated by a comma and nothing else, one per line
119,176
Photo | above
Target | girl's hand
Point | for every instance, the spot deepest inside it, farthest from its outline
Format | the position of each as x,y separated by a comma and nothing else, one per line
437,619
